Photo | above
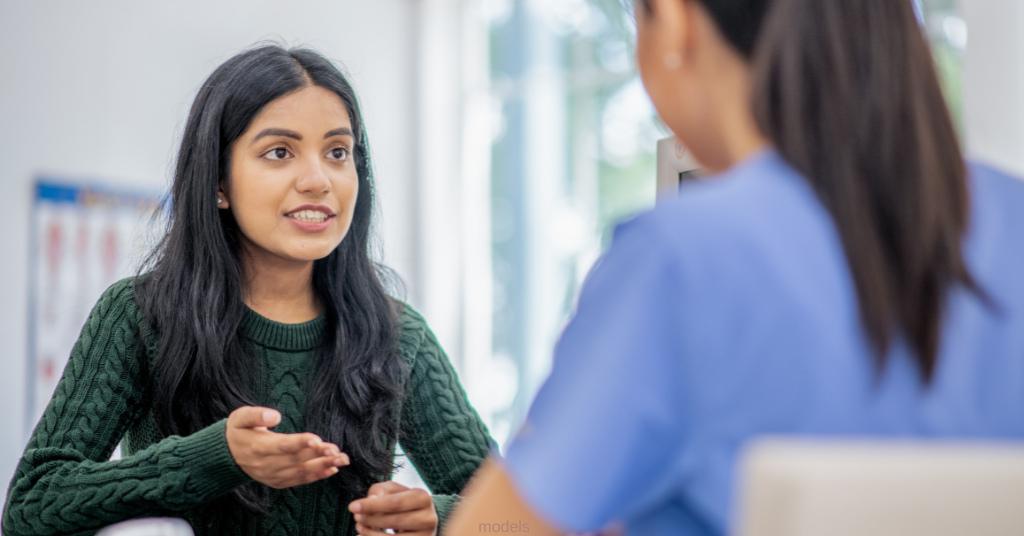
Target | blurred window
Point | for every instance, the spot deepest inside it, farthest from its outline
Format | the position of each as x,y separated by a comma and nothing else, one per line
947,33
574,155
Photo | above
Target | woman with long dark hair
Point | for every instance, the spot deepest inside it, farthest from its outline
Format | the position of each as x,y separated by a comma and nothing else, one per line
844,273
256,372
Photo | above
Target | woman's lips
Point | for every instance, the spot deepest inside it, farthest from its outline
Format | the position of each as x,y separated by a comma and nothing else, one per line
307,220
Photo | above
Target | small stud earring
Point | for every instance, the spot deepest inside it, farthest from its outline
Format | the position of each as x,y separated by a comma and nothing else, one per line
673,60
219,200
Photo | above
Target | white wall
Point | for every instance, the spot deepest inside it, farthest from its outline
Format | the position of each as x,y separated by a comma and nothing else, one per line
994,82
101,90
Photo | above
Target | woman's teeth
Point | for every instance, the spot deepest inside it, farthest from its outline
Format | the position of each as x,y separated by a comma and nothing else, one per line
309,216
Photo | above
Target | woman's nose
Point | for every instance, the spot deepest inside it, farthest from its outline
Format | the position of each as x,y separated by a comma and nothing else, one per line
314,178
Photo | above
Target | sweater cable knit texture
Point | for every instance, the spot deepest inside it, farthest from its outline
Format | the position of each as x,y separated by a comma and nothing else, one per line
65,483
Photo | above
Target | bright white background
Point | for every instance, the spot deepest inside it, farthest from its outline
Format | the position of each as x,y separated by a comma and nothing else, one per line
994,82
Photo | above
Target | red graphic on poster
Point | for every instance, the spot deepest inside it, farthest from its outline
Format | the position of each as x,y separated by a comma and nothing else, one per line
110,252
53,247
47,368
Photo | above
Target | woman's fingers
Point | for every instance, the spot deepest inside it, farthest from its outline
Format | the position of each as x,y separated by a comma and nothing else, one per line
298,448
310,471
390,497
392,505
294,443
385,488
324,462
307,454
306,477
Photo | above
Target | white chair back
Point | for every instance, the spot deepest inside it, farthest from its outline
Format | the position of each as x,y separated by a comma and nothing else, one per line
794,487
156,526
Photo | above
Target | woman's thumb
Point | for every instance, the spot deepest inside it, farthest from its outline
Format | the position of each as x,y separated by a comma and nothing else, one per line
254,417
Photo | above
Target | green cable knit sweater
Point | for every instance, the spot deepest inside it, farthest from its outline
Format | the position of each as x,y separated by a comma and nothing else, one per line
65,483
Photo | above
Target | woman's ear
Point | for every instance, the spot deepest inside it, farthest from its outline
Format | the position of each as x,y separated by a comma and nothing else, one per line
671,20
665,55
665,43
222,197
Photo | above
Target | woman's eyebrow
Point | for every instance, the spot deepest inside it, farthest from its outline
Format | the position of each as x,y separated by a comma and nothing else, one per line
277,132
343,131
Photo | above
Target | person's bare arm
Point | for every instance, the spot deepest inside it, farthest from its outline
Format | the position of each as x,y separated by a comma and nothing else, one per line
491,499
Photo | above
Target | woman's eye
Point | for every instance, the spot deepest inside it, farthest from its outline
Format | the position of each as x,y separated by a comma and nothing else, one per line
279,153
339,153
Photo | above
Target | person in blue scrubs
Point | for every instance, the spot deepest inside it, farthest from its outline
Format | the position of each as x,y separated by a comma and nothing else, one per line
845,273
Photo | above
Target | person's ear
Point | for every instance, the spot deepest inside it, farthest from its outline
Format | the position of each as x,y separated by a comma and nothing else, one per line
222,197
674,29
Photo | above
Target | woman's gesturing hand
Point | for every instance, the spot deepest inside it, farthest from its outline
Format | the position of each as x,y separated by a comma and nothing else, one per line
390,505
279,460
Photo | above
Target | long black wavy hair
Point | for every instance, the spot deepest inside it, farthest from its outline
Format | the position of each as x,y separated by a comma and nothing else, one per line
191,288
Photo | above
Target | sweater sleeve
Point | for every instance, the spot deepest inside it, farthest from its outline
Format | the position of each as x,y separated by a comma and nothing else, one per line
442,434
65,483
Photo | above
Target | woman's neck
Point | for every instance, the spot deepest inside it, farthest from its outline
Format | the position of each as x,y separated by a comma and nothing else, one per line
734,130
279,289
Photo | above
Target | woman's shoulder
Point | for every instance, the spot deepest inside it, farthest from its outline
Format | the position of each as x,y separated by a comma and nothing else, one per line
114,324
119,300
993,245
762,187
760,203
996,194
412,332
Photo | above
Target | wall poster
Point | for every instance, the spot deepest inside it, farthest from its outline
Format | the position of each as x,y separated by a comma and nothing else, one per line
84,237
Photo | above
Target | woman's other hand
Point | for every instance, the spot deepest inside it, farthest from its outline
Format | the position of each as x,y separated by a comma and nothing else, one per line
390,505
279,460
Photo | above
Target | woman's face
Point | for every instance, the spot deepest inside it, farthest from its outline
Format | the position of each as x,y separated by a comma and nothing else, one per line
293,182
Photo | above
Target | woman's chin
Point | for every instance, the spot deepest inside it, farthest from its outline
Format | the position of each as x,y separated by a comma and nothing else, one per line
312,254
303,251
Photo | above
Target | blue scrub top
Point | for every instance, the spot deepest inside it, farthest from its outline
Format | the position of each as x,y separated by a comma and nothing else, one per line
730,313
